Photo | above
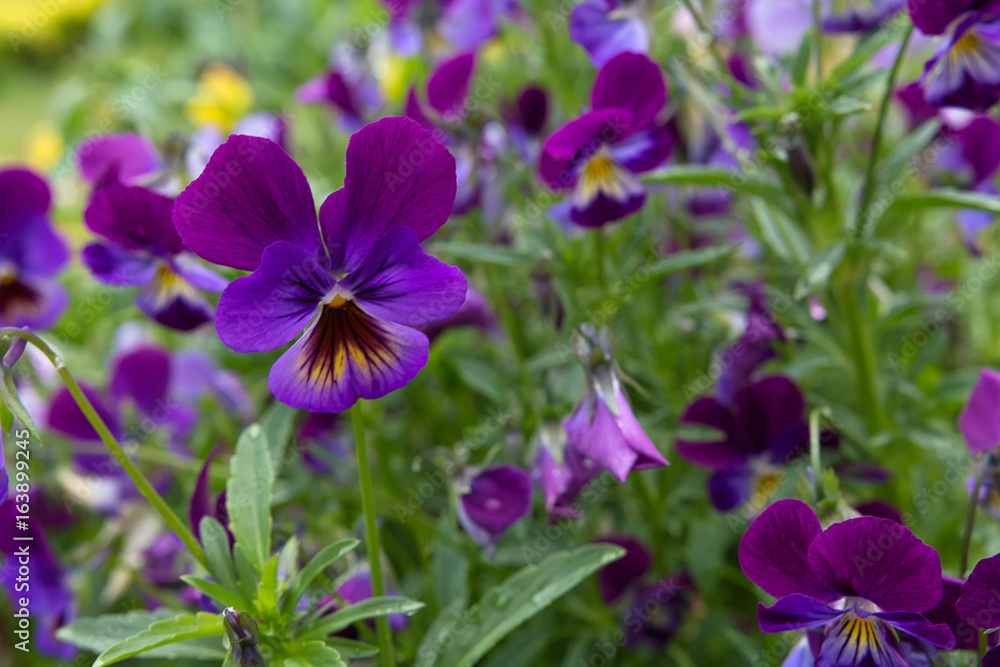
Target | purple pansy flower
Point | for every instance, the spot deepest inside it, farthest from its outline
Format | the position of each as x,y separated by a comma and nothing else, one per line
143,249
965,71
762,430
525,120
207,138
31,253
203,505
778,26
125,158
465,24
859,15
497,498
980,418
755,347
979,144
474,312
356,283
348,88
605,28
657,612
862,580
560,473
602,429
358,588
617,578
597,156
976,607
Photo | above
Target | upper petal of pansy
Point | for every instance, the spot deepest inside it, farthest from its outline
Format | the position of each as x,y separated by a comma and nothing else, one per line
29,241
250,195
977,604
880,561
773,552
631,81
980,418
346,355
135,218
980,142
602,35
268,308
400,283
397,174
932,17
770,417
579,138
795,612
448,86
715,454
129,155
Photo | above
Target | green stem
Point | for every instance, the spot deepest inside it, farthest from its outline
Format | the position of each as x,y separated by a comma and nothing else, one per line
862,223
862,352
138,478
371,532
814,452
970,519
597,240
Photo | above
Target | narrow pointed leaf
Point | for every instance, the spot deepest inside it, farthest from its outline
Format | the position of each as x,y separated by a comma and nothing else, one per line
370,608
248,495
326,557
162,633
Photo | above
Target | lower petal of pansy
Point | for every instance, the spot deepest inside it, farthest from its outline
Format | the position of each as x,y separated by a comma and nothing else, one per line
939,634
400,283
854,641
728,489
346,355
112,264
605,191
173,302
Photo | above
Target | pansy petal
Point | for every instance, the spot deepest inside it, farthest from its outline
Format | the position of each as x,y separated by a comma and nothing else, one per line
992,658
198,275
65,416
794,612
728,489
498,497
932,17
634,82
344,356
773,551
448,86
135,218
173,302
718,454
615,579
980,418
856,641
467,24
644,150
977,605
397,174
580,138
412,108
400,283
250,195
268,308
880,561
939,635
113,265
966,636
29,240
32,303
129,155
593,26
142,375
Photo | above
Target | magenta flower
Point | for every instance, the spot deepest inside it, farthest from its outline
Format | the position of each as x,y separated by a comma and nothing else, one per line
597,156
604,28
144,250
862,580
347,88
754,348
980,418
977,607
616,579
126,158
497,498
561,473
31,253
356,283
207,138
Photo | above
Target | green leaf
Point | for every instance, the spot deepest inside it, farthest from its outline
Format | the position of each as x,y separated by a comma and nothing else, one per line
248,495
351,649
370,608
249,577
450,567
100,633
505,607
483,253
161,633
903,152
10,399
215,541
800,67
227,597
818,272
864,52
314,654
849,106
439,634
6,418
945,198
690,259
727,179
326,557
277,421
288,563
267,592
779,234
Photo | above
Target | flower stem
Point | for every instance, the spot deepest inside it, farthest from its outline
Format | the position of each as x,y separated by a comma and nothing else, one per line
970,520
866,194
138,478
371,531
814,460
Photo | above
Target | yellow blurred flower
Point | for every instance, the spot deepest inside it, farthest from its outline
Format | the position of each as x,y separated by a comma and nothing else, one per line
45,147
223,97
25,20
393,74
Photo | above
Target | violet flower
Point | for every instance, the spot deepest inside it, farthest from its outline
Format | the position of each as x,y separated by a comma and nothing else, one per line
862,580
125,158
348,89
976,607
497,498
465,24
605,28
755,347
358,588
848,16
525,121
31,253
761,431
597,156
618,578
321,443
356,283
657,612
144,250
560,473
980,418
207,138
965,71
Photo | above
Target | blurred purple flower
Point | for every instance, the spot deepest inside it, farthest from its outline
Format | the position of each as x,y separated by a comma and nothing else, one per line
560,473
321,443
617,578
207,138
859,15
464,24
815,575
762,430
356,283
203,505
965,71
125,158
754,348
596,157
475,311
606,28
525,121
980,418
348,88
657,612
498,497
31,253
976,606
356,589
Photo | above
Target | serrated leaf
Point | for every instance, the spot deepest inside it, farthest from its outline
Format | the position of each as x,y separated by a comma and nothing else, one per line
248,495
278,421
215,542
11,400
360,611
350,649
322,560
161,633
505,607
818,272
691,259
213,590
314,654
